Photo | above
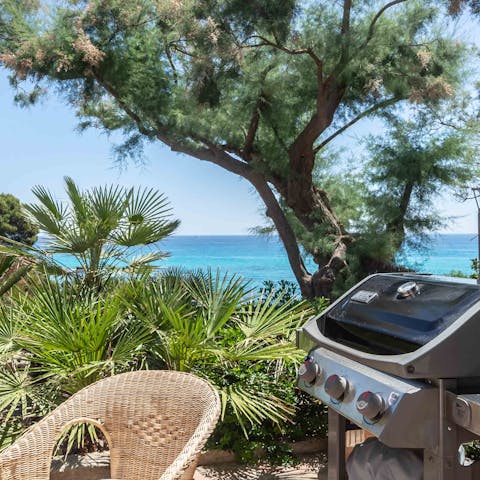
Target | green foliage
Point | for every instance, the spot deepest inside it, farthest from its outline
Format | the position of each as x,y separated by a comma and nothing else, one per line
13,268
58,336
100,227
260,85
288,290
14,224
393,202
409,167
216,327
284,290
474,274
308,421
77,338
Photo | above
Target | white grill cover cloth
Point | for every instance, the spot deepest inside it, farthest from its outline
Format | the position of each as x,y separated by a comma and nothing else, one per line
372,460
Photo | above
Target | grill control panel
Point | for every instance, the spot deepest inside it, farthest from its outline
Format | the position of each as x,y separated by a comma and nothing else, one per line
368,397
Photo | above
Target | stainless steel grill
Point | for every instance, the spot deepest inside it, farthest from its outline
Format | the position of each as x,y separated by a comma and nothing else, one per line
399,356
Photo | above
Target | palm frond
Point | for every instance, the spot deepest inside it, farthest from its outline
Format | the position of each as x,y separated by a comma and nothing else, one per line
272,315
217,296
253,406
147,205
10,331
108,204
76,436
16,393
78,202
257,351
145,259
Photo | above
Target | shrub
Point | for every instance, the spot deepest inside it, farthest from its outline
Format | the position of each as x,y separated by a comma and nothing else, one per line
58,337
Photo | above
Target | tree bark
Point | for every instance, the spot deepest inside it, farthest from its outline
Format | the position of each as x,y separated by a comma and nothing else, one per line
397,224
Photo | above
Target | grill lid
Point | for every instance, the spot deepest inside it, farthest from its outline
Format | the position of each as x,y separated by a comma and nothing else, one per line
390,314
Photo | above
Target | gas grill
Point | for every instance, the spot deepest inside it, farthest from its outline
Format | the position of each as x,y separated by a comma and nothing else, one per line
399,356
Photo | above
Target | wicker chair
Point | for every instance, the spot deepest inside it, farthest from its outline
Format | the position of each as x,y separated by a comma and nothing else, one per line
155,422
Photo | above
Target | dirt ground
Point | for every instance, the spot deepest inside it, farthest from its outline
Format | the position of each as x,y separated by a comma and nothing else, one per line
311,467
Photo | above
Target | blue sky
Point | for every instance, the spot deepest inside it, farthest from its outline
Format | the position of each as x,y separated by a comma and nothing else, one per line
40,146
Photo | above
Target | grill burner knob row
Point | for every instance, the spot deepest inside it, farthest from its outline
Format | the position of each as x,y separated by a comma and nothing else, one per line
371,405
309,370
336,386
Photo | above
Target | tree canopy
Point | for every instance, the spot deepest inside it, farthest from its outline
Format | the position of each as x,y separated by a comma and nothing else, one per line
261,89
14,224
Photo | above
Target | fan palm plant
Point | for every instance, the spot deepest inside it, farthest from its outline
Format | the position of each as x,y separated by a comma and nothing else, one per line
101,226
22,397
75,338
56,338
217,327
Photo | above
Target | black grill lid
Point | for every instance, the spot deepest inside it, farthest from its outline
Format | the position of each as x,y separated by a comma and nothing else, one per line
389,314
430,329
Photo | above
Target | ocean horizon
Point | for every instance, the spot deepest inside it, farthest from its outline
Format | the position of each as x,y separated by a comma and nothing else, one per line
260,258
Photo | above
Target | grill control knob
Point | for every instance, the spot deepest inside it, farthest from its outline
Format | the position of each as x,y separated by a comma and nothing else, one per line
309,370
336,386
408,289
371,405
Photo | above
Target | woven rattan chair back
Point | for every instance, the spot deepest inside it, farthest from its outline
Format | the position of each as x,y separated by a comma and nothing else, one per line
155,422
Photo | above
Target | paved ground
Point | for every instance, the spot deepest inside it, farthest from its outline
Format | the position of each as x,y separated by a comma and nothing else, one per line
312,467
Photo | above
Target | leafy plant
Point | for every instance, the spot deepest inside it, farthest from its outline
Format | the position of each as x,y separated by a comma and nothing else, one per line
100,227
217,328
74,339
57,337
14,225
474,265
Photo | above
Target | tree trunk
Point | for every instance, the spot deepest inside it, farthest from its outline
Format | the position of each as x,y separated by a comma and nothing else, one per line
275,213
397,225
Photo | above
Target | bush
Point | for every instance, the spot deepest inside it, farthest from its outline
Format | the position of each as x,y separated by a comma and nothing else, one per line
14,225
57,337
309,419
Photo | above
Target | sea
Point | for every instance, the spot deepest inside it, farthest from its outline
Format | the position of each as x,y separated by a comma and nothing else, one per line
259,258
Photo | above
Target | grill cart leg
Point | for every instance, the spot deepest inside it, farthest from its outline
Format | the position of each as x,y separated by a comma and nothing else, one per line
336,446
442,463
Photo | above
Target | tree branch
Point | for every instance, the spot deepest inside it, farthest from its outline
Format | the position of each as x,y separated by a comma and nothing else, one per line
255,119
133,116
347,7
354,120
172,65
371,28
252,129
215,154
266,42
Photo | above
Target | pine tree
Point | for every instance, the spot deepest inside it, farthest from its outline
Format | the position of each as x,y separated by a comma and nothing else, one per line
259,88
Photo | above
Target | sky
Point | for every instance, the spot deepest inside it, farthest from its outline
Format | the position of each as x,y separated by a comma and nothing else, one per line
40,145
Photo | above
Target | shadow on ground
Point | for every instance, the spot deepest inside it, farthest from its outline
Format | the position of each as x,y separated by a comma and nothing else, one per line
310,468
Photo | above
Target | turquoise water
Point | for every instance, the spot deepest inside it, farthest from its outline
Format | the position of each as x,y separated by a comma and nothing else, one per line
260,258
446,253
